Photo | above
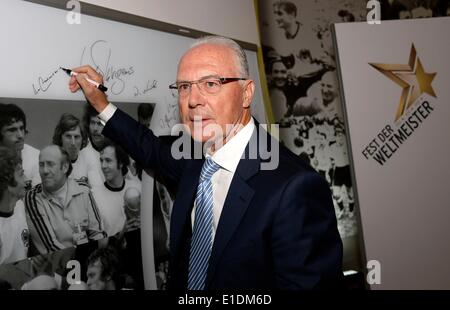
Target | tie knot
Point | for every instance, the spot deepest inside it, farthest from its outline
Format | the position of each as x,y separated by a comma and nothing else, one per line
208,169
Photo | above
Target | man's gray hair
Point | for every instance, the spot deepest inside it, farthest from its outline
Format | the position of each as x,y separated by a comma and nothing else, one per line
241,58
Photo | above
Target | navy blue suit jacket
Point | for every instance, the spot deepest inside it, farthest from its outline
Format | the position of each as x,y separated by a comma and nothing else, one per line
277,228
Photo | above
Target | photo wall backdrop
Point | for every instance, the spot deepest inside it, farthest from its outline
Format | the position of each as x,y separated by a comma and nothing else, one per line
301,71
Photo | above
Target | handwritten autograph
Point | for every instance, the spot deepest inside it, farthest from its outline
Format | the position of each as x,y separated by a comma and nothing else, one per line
44,83
149,87
117,76
171,115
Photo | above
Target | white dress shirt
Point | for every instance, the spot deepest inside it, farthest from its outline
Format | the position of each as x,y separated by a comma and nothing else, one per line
227,157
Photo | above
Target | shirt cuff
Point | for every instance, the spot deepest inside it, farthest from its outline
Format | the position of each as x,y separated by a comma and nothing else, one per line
107,113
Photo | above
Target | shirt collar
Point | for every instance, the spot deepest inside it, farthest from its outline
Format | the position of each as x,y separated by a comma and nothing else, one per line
115,189
60,195
70,188
229,155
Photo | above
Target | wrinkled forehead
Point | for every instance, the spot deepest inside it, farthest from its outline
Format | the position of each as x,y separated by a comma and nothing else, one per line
108,152
278,65
95,266
328,79
75,130
50,154
13,123
205,59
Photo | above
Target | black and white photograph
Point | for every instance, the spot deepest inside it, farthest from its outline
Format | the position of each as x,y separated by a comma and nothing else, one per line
63,183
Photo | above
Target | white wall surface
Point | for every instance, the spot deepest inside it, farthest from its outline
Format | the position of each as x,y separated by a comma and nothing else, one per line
231,18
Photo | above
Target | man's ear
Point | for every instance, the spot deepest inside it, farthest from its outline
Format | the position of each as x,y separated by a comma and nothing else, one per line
65,167
249,91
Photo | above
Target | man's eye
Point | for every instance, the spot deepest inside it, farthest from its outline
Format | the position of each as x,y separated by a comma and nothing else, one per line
211,84
183,86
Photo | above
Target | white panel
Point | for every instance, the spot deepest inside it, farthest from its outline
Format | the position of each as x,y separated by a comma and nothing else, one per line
404,203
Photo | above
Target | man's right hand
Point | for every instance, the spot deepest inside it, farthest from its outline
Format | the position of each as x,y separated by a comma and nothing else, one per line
94,96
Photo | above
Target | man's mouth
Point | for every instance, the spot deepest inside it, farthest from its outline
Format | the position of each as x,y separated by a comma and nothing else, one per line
203,122
200,119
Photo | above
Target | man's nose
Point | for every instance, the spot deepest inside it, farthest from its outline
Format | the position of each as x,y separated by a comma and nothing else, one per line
21,134
195,97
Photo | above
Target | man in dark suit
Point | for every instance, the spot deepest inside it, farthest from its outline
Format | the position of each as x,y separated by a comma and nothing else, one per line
235,223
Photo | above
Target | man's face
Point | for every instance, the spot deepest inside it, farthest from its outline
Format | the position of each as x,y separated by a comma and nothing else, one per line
19,190
108,162
71,142
279,74
94,278
327,88
13,136
95,131
230,106
283,19
51,168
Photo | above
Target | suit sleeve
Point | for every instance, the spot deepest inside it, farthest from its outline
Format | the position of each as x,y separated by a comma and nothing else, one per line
143,146
307,248
41,231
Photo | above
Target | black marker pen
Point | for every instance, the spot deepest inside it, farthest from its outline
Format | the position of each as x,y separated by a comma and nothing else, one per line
102,87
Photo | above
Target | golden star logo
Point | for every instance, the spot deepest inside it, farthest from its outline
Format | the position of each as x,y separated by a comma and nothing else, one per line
411,77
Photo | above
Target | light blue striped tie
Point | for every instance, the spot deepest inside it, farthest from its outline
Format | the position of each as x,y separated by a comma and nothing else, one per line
201,243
